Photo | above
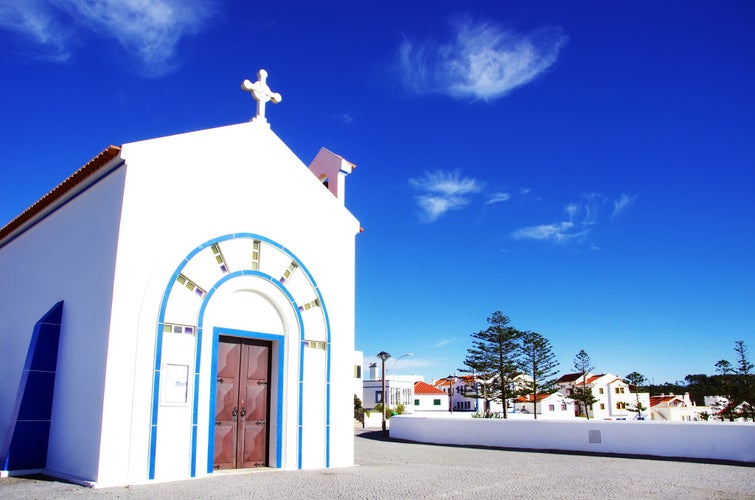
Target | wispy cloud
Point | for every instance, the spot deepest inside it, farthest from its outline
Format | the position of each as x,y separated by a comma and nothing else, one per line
581,218
148,30
498,198
443,191
621,204
482,62
35,21
442,343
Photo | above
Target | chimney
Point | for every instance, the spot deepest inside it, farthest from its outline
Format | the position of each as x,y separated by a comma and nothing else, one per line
373,371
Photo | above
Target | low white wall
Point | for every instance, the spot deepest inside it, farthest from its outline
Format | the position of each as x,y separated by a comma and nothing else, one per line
706,440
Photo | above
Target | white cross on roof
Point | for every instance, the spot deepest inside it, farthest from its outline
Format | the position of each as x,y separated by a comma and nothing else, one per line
261,93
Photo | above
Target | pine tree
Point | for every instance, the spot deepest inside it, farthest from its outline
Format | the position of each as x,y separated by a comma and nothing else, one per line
581,393
495,353
538,362
636,379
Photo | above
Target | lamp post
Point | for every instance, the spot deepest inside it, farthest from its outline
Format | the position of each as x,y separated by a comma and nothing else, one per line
383,357
393,371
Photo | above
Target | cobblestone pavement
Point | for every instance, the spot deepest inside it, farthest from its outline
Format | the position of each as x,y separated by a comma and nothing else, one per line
391,469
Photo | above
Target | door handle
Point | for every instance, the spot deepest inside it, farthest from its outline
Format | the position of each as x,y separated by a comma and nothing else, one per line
243,413
235,413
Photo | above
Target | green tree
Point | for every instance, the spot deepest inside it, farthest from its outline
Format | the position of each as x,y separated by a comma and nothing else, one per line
495,352
636,379
744,388
539,363
358,409
723,367
582,393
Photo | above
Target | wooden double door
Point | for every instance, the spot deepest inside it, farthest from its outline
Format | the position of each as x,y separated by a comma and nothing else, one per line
242,402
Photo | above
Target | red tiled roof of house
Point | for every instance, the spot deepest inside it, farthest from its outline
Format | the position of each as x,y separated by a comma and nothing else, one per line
569,377
425,388
61,189
528,398
656,400
593,378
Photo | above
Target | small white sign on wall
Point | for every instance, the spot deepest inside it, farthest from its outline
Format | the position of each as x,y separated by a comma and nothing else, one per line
175,384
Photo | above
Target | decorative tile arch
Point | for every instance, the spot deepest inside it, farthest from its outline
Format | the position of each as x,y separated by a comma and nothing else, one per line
224,272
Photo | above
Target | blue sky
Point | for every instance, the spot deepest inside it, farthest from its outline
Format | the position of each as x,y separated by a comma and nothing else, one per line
587,168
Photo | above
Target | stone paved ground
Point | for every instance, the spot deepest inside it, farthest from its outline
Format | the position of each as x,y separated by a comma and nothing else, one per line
389,469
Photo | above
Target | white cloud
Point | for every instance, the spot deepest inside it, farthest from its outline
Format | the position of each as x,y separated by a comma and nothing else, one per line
149,30
444,191
622,203
559,232
497,198
482,62
582,217
36,21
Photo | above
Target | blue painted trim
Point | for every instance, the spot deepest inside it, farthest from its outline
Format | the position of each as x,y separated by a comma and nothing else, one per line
82,191
205,299
280,341
300,422
200,333
24,446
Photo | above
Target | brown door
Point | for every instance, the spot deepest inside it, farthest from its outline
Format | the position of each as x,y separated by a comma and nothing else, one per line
241,403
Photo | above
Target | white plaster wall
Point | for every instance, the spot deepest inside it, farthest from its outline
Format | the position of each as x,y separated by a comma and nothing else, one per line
68,256
234,179
719,441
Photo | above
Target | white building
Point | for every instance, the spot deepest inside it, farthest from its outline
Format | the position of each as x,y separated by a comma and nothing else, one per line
614,396
359,375
399,389
429,398
467,393
181,305
549,406
676,408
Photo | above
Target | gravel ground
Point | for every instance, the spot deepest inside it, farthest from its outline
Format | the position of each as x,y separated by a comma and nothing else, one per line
392,469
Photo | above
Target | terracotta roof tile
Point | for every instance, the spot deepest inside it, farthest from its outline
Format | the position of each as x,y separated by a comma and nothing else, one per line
569,377
528,398
61,189
425,388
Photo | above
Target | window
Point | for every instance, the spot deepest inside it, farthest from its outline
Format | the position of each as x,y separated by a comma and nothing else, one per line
357,371
600,391
378,396
436,402
621,406
563,406
551,407
602,406
617,390
416,402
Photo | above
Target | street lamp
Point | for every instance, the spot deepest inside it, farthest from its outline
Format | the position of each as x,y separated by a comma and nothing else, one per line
383,357
393,375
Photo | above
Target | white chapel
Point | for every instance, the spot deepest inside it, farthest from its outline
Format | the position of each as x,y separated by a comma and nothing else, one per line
179,306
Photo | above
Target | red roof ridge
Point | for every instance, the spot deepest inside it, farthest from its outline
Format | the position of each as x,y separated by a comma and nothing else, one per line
61,189
425,388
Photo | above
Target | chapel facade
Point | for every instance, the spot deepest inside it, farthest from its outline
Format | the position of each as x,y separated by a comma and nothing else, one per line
179,306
